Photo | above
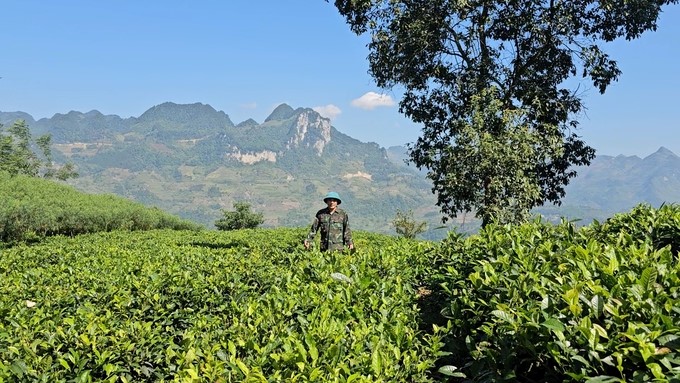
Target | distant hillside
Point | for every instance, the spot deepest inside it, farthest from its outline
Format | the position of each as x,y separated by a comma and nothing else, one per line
611,184
192,160
615,184
33,208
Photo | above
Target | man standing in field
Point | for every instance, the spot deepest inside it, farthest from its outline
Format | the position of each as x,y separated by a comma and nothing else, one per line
334,225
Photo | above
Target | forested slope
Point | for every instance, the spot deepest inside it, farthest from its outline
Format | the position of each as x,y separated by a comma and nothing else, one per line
33,208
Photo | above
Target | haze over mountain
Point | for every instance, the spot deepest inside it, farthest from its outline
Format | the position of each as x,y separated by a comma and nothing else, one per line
193,161
617,183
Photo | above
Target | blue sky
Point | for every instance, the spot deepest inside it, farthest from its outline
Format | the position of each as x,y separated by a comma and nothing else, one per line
246,57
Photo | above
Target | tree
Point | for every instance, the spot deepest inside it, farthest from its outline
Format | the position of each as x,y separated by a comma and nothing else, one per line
406,226
241,218
490,83
17,157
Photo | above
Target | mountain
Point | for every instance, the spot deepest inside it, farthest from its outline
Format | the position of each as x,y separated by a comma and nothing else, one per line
193,161
614,184
611,184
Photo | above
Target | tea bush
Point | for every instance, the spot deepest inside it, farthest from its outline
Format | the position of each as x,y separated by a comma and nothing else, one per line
211,306
530,303
35,208
544,303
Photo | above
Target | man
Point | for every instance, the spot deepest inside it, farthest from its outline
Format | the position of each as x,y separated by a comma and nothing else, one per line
334,226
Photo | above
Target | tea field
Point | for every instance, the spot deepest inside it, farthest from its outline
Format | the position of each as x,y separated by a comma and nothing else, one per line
530,303
185,306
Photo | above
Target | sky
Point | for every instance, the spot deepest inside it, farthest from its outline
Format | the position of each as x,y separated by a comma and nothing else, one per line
246,57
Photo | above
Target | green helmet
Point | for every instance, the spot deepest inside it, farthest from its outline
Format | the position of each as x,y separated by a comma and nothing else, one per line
332,195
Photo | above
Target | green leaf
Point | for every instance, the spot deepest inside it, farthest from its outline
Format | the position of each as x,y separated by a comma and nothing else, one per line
648,278
376,362
19,368
553,324
109,369
449,370
581,359
604,379
242,366
221,355
65,364
656,371
600,331
503,315
313,353
597,304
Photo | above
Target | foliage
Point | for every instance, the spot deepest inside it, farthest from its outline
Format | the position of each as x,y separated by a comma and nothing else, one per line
652,227
406,226
496,152
241,218
484,76
211,306
34,208
17,156
528,303
542,302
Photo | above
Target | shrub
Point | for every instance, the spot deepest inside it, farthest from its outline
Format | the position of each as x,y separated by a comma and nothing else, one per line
33,208
241,218
406,226
539,302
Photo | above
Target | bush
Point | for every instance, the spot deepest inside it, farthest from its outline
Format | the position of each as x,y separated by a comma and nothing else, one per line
34,208
406,226
241,218
211,306
539,302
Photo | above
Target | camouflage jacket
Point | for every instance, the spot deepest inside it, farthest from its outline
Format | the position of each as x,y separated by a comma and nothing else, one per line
335,231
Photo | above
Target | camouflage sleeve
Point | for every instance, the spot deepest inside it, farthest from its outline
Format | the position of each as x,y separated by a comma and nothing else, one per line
348,232
313,230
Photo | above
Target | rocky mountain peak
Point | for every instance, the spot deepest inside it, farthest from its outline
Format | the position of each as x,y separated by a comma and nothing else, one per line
311,131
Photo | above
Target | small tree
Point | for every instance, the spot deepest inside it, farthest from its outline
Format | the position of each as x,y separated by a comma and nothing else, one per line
241,218
17,156
406,225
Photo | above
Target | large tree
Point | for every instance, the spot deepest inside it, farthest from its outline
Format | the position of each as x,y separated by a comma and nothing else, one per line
494,85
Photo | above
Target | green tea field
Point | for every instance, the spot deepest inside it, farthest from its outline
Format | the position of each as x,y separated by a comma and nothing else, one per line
210,306
528,303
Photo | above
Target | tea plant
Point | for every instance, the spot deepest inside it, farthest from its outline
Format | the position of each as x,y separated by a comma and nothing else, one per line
236,306
539,303
530,303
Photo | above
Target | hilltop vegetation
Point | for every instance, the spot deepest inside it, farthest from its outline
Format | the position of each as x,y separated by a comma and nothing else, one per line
531,303
17,155
34,208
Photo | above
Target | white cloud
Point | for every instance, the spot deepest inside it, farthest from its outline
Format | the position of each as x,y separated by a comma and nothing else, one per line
372,100
329,111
